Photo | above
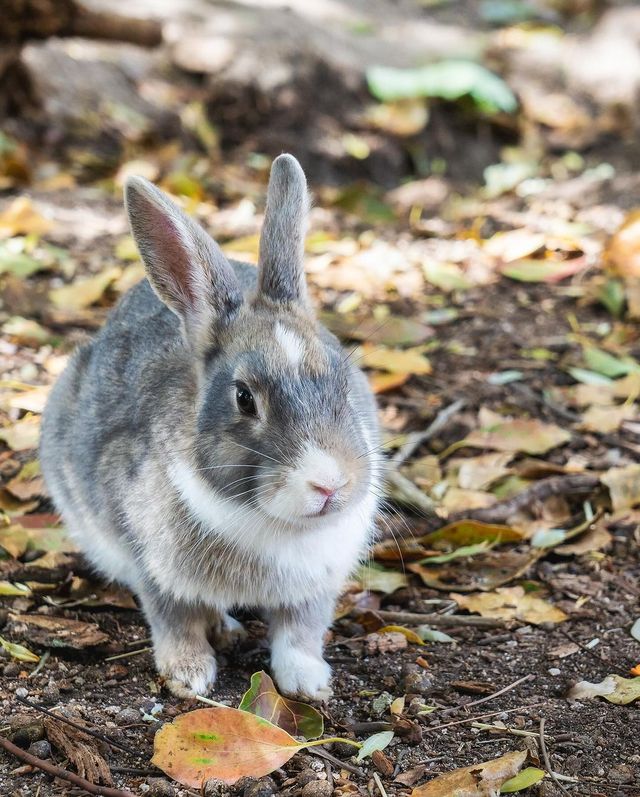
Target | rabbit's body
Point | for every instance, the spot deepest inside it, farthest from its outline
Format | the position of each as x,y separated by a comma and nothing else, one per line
201,499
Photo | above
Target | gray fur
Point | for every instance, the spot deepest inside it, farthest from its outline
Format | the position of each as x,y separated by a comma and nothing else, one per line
141,415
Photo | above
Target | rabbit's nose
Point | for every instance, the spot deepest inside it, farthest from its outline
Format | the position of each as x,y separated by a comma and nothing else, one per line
327,490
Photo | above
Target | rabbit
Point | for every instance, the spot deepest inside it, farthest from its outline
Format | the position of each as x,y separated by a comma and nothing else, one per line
214,448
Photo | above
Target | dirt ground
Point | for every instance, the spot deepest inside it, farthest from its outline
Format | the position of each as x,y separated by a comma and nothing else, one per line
499,343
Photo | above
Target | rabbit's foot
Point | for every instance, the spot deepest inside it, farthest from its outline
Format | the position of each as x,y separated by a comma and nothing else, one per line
302,674
226,631
188,669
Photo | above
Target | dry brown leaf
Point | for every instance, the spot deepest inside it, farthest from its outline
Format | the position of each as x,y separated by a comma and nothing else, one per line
80,748
624,486
530,436
623,250
457,500
57,632
478,780
596,538
605,419
478,473
511,603
21,218
382,383
484,571
82,293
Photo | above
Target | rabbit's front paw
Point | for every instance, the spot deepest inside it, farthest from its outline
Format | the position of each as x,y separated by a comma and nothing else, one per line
187,672
302,674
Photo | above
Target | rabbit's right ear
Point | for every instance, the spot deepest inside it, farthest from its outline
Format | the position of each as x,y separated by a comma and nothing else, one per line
185,266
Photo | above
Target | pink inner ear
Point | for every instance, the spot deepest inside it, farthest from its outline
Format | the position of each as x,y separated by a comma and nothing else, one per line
167,257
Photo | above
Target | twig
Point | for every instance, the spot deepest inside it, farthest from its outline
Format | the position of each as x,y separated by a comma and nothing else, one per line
76,725
499,692
416,439
342,764
547,760
43,660
411,618
63,774
327,769
480,717
546,488
381,788
483,726
129,654
405,491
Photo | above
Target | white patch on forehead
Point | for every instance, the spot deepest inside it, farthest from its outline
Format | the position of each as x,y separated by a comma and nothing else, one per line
291,344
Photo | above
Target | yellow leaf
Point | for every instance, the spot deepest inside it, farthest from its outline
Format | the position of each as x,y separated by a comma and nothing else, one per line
84,292
406,632
21,218
508,603
514,244
382,383
395,361
529,436
19,652
23,434
607,419
624,486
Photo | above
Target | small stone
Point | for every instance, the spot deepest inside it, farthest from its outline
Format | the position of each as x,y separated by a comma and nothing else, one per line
40,749
50,694
317,788
214,788
159,787
128,716
21,692
622,773
553,671
418,682
307,775
381,703
117,671
25,729
264,787
11,670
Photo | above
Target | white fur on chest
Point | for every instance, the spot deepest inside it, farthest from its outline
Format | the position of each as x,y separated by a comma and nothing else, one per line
301,562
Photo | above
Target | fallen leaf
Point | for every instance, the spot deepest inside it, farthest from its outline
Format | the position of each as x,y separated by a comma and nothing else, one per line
623,249
57,632
433,635
456,500
607,419
402,118
446,276
478,780
485,571
395,361
410,635
21,218
83,293
605,363
477,473
469,532
613,688
23,434
26,331
528,436
543,270
383,644
378,741
263,700
33,400
19,652
10,590
595,538
81,749
514,244
509,603
221,743
383,383
527,777
624,486
376,578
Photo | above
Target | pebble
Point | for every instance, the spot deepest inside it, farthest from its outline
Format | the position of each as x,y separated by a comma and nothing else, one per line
21,692
213,788
553,671
11,670
159,787
264,787
417,683
40,749
317,788
307,775
50,694
128,716
622,773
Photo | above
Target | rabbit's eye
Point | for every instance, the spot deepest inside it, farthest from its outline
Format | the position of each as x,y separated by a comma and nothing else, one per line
245,401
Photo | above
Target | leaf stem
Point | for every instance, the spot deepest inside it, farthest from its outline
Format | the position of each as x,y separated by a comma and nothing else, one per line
317,742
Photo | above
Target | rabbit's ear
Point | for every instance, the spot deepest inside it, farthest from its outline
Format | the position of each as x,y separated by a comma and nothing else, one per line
281,259
185,266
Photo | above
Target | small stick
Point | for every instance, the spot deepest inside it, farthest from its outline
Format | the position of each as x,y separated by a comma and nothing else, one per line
547,760
63,774
76,725
415,440
480,717
413,618
327,769
43,660
499,692
329,757
128,654
381,788
405,491
483,726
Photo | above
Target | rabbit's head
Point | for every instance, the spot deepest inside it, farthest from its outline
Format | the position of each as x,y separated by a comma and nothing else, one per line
284,420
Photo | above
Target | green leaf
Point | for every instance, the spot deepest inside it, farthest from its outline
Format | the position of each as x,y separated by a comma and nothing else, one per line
18,263
528,777
432,635
468,532
612,296
9,589
589,377
447,79
464,550
530,270
504,377
376,742
19,652
376,578
263,699
604,363
548,538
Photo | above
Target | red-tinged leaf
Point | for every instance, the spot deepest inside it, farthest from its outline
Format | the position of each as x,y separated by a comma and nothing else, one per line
263,700
221,743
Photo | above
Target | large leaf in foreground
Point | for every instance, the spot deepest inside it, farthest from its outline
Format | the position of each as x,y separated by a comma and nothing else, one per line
478,780
221,743
263,699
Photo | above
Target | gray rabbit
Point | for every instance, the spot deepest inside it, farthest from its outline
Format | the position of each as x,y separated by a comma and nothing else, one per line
213,447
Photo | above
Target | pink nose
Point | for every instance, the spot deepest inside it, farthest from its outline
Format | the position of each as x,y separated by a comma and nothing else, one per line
328,492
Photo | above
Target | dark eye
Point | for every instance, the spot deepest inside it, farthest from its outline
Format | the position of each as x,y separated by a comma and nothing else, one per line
245,401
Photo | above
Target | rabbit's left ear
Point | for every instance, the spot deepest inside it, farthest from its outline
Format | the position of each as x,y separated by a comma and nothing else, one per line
281,260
